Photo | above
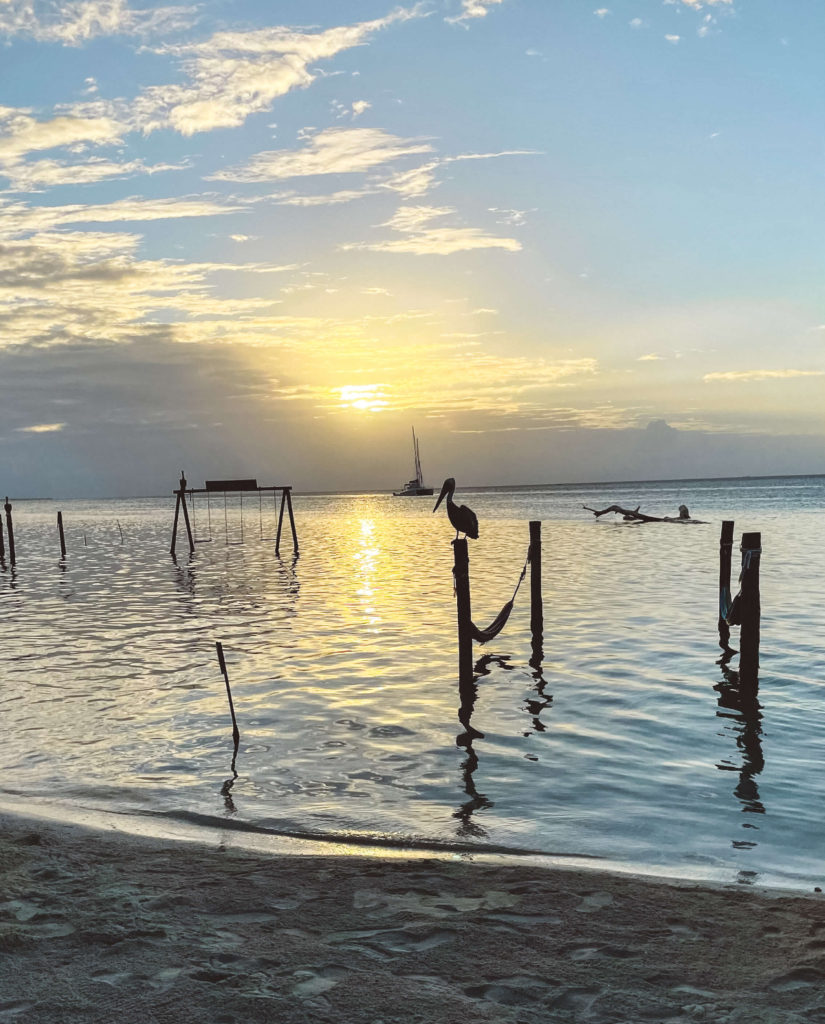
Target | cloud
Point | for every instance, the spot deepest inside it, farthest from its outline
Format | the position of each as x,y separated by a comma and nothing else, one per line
750,375
650,357
20,133
332,151
74,23
422,240
234,74
602,12
39,174
673,39
472,9
41,428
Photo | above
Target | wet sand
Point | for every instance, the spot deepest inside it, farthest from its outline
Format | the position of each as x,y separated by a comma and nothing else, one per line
105,927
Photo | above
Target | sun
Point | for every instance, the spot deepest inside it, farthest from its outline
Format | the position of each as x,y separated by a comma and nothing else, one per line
362,397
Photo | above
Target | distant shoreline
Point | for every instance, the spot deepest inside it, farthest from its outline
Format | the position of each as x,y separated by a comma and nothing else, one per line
475,488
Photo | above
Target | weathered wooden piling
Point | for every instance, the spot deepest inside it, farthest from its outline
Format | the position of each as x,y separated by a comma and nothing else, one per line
2,542
536,604
286,504
180,503
725,549
236,736
121,531
9,530
61,535
291,519
750,611
461,572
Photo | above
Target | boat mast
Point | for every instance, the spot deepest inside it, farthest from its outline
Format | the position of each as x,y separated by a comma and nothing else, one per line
417,459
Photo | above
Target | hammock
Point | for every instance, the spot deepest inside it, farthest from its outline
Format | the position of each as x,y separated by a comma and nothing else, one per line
482,636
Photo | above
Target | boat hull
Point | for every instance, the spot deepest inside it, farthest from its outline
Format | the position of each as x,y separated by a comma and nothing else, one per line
416,492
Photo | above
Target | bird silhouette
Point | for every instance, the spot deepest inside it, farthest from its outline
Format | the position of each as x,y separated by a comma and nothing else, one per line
463,519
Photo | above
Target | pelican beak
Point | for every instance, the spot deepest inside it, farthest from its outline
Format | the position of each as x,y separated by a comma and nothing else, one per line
444,490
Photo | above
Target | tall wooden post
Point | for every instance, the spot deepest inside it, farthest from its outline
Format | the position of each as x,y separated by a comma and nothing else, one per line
175,524
751,611
9,529
461,571
186,512
61,535
288,492
2,542
725,549
536,603
281,522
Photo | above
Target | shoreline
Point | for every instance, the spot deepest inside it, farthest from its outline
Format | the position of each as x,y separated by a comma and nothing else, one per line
98,926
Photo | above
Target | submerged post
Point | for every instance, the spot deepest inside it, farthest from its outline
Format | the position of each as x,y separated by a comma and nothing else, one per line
288,493
236,736
461,572
61,535
2,542
751,610
9,529
725,549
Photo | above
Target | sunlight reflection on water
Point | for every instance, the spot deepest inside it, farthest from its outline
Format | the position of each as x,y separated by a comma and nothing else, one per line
343,670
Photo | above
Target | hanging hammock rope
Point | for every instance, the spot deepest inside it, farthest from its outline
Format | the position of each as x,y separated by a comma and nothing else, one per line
483,636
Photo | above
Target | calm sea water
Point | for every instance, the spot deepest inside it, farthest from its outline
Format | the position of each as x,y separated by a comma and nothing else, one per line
343,663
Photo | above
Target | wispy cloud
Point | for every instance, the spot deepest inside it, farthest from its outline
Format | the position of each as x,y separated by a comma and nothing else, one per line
234,74
41,428
37,175
74,23
332,151
420,239
751,375
471,9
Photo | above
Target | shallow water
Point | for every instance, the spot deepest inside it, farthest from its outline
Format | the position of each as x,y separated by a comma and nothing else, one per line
343,665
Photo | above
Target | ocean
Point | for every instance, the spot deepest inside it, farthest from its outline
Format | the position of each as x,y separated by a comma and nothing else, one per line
621,746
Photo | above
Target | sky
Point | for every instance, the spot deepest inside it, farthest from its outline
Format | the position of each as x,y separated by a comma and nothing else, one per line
564,242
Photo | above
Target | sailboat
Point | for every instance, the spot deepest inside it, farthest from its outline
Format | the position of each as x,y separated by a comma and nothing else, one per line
415,487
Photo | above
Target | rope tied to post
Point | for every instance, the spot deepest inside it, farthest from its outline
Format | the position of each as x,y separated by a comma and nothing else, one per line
483,636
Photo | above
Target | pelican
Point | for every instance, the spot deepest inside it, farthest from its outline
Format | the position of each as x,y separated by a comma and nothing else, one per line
463,519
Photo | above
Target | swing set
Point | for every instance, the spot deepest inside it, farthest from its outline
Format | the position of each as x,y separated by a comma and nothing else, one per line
226,487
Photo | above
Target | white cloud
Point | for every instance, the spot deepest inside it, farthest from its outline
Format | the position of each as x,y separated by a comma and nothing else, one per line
20,133
673,39
74,23
333,151
750,375
234,74
602,12
420,239
472,9
39,174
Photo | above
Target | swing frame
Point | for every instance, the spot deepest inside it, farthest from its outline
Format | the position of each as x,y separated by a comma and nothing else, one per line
233,487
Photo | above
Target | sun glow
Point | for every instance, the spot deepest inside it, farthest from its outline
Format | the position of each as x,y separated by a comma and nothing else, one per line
363,397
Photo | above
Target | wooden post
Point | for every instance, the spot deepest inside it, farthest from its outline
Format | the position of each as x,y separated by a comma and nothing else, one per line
2,542
235,733
186,512
280,522
461,571
751,611
9,530
288,492
536,604
725,549
175,524
120,529
61,534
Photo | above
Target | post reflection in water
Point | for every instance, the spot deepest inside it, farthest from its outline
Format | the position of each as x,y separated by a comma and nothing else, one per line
535,705
468,691
743,710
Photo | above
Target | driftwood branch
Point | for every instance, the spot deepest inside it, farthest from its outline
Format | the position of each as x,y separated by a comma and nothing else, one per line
635,516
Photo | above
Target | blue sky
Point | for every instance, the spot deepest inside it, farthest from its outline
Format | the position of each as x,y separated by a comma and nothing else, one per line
566,241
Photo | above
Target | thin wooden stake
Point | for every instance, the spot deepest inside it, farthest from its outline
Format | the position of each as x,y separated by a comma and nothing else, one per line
61,534
121,531
236,736
288,493
2,542
280,523
9,530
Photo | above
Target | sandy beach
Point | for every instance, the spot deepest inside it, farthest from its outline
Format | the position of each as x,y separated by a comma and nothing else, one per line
104,927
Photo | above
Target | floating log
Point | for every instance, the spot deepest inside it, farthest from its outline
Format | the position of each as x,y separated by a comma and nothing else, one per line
635,516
